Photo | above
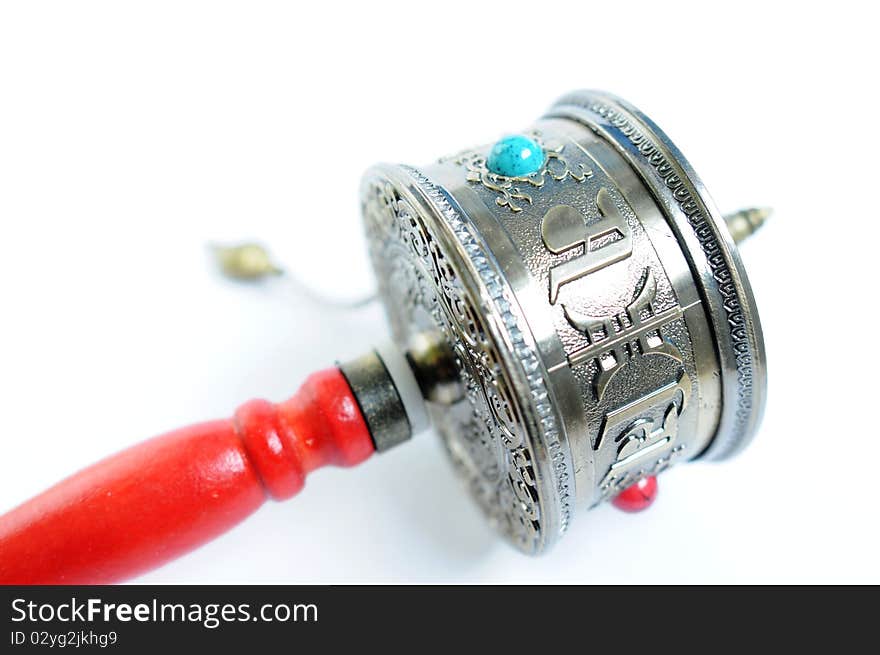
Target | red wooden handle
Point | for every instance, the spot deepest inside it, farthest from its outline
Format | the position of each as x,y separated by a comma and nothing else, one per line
157,500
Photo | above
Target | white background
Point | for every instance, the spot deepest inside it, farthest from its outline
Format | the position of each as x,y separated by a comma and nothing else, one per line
133,134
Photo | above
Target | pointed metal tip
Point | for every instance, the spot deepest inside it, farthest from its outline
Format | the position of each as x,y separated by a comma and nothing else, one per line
746,222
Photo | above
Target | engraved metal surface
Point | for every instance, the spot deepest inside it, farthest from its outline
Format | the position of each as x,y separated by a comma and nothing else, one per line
716,263
427,287
513,192
596,340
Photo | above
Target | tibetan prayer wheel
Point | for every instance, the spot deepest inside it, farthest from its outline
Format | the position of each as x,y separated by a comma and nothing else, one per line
568,309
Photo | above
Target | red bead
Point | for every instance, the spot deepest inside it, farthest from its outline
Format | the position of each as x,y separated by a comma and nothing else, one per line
638,496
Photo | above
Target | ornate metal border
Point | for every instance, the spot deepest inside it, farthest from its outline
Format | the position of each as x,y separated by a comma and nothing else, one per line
521,472
501,295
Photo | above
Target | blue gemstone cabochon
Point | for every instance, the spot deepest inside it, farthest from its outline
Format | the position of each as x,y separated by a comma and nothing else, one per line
515,156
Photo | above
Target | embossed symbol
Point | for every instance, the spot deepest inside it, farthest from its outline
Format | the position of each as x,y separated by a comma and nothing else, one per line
615,339
618,479
605,242
638,436
641,437
646,427
512,192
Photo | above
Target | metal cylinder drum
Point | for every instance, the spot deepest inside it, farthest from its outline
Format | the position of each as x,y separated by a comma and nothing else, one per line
600,319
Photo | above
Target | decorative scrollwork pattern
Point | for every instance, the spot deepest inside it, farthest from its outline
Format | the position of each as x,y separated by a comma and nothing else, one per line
512,192
488,441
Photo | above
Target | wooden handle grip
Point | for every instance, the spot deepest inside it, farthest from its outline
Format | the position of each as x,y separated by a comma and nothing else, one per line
155,501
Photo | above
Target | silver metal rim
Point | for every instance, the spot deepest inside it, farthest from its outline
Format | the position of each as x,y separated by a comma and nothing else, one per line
480,273
550,450
710,250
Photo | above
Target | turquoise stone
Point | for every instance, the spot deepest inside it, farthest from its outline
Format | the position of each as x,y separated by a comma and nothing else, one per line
515,156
